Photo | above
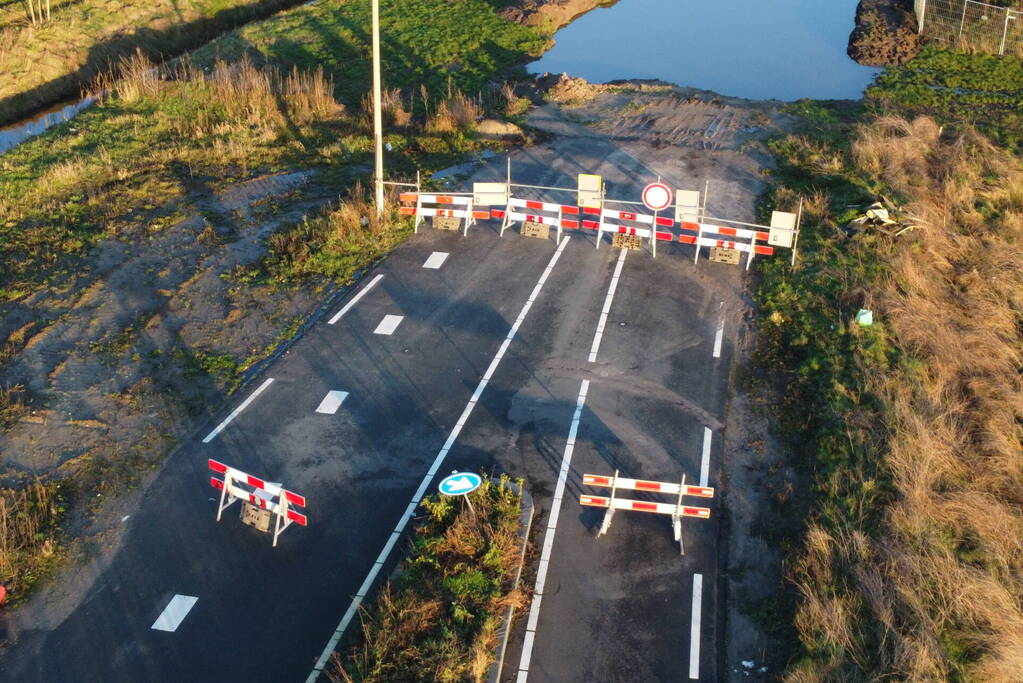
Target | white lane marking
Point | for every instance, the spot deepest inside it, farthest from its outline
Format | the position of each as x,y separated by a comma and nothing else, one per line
705,459
174,613
599,334
425,484
389,324
237,411
436,260
355,299
720,334
331,402
694,632
552,525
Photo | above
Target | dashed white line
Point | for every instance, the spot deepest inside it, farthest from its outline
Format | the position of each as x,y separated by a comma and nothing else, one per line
174,613
331,402
355,299
389,324
694,632
548,541
237,411
425,484
705,459
599,334
720,334
436,260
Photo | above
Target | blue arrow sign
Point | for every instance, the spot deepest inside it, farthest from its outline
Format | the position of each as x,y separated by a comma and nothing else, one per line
459,483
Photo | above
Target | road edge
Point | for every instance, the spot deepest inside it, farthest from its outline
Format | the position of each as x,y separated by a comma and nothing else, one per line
504,633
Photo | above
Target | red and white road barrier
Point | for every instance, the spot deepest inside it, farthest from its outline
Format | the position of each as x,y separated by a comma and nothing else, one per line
445,205
238,485
677,510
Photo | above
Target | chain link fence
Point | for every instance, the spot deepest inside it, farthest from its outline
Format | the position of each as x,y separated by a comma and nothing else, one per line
968,24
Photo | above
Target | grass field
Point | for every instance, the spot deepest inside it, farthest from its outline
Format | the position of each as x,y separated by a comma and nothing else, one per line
54,59
973,89
908,562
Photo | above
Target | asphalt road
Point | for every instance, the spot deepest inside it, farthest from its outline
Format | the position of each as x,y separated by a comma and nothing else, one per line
617,608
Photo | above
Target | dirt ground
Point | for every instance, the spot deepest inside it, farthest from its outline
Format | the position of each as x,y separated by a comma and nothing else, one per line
105,351
141,345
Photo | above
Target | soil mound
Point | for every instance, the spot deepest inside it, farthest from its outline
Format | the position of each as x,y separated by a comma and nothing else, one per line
885,33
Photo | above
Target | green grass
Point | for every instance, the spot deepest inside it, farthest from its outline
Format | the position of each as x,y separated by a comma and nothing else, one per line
985,91
435,43
438,620
811,356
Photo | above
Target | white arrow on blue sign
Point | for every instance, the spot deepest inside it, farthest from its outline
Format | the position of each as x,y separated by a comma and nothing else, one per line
459,483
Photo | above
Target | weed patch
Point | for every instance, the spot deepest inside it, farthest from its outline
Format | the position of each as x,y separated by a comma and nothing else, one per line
29,543
438,620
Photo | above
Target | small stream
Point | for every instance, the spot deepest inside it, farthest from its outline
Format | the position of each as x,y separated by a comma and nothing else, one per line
758,49
16,133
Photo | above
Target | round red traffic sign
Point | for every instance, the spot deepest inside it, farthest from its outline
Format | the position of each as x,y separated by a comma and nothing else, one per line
657,196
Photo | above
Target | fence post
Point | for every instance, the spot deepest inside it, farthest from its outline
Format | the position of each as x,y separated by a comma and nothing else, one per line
1005,31
921,14
962,22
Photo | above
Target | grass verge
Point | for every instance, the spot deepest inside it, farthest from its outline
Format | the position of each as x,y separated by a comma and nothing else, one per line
438,620
910,562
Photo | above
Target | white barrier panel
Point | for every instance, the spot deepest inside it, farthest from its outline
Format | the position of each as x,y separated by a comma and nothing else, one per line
676,510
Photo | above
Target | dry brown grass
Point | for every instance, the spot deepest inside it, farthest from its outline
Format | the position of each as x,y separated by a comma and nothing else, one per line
942,579
393,109
456,112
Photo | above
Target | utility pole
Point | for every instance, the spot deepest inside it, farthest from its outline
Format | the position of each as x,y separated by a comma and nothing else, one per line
378,121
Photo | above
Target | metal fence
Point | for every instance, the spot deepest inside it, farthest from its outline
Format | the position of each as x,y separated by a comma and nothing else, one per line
972,25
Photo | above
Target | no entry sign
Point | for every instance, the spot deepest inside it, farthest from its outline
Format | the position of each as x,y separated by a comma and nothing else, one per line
657,196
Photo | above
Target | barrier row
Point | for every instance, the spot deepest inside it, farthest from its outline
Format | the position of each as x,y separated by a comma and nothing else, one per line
601,219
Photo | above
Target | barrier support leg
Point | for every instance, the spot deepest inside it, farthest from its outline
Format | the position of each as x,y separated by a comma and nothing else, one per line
507,216
699,238
223,493
653,237
752,250
282,521
558,239
610,512
676,519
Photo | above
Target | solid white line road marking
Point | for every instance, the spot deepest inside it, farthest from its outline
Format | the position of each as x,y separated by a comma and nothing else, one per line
331,402
552,525
705,460
389,324
237,411
720,334
599,334
174,613
355,299
436,260
694,632
425,484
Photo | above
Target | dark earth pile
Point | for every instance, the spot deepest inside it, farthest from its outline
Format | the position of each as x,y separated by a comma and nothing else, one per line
885,33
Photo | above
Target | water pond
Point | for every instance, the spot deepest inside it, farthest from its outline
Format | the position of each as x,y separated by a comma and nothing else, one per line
759,49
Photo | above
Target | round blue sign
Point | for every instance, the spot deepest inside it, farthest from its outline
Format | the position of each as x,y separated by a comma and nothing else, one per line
459,483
